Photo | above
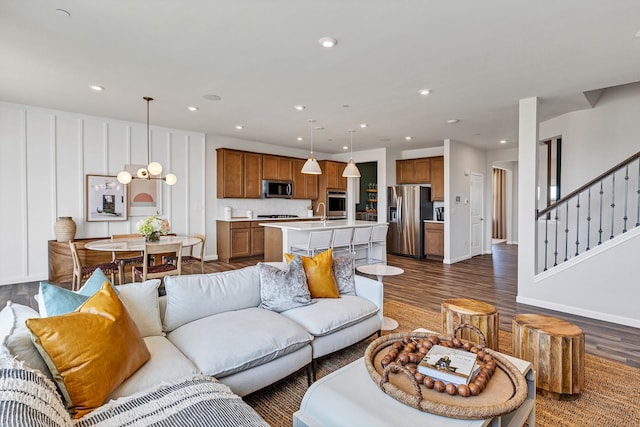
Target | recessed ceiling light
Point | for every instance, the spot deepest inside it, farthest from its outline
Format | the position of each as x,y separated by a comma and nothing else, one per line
408,138
96,88
63,12
299,107
363,125
328,42
453,121
300,138
193,108
344,147
424,91
239,127
503,141
212,97
638,34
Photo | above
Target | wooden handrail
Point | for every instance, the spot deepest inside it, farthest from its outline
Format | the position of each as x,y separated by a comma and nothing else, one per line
588,184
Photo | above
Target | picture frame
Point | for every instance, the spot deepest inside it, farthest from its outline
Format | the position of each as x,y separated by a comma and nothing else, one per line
105,199
145,195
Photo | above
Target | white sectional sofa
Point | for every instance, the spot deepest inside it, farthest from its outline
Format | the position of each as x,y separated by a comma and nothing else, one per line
212,325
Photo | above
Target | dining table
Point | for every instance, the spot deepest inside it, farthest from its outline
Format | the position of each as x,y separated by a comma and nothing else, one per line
136,244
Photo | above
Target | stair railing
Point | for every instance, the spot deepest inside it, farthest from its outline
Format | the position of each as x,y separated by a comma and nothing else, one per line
590,214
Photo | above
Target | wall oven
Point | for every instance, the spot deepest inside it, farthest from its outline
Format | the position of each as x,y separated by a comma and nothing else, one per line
336,203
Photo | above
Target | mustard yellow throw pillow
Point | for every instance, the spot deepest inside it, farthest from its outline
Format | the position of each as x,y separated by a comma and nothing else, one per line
319,272
90,351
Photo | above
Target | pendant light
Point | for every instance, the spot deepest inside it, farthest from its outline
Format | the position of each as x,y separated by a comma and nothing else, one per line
153,169
351,171
311,166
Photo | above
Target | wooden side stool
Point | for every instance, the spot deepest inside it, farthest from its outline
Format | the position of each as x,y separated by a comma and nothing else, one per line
555,348
484,316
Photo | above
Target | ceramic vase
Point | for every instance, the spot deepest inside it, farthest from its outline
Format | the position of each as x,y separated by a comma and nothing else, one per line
65,229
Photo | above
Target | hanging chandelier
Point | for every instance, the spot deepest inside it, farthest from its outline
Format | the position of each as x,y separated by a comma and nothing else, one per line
153,169
351,171
311,166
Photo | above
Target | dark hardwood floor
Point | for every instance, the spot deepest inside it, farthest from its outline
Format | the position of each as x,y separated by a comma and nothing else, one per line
426,283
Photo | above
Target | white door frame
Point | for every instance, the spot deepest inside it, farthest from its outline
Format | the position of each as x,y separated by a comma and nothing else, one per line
476,214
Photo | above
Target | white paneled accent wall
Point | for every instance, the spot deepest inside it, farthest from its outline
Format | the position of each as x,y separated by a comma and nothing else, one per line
44,157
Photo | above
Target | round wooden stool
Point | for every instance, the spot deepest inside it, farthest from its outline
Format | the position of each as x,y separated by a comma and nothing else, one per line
555,348
458,311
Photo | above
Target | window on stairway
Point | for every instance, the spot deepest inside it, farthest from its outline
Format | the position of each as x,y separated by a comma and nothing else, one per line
550,161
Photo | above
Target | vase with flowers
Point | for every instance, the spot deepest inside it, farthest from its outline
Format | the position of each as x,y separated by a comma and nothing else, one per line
152,228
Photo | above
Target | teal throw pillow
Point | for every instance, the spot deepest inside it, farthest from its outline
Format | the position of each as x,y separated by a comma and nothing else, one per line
57,300
94,283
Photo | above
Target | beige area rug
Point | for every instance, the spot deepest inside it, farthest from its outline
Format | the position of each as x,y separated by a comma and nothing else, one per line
611,396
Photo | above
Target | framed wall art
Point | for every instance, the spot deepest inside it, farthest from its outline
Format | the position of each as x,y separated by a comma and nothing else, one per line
106,199
145,195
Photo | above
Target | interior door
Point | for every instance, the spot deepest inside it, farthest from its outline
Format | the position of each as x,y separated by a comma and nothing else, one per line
476,209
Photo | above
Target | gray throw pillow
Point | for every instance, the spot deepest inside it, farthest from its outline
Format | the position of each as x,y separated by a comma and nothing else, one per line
344,271
281,290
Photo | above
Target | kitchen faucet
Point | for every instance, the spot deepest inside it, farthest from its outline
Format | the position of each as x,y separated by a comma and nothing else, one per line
324,211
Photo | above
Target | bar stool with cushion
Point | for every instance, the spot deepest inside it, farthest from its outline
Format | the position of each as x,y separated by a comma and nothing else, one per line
360,241
378,240
158,271
124,262
318,241
341,240
190,259
81,272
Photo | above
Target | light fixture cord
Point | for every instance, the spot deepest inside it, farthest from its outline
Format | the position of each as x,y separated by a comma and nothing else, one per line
351,134
146,98
311,121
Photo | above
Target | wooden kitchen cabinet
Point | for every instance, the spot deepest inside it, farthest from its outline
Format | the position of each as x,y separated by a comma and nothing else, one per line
277,167
331,178
239,174
305,186
413,171
434,239
437,179
239,239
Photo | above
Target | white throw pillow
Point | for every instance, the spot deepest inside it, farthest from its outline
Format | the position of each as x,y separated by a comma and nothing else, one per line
141,301
16,337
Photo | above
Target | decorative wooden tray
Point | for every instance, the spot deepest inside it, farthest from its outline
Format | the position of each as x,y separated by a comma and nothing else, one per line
505,391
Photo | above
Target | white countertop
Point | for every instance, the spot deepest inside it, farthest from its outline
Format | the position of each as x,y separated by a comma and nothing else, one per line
318,225
433,221
244,218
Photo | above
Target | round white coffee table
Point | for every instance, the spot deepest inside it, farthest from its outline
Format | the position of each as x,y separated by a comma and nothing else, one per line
381,270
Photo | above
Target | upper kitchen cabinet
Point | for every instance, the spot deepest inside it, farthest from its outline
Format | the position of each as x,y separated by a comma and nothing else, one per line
276,167
239,174
331,178
305,186
413,171
437,179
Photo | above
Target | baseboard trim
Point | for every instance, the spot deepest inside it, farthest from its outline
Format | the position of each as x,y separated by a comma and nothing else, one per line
606,317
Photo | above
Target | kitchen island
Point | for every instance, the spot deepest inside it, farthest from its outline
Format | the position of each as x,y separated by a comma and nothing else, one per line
279,236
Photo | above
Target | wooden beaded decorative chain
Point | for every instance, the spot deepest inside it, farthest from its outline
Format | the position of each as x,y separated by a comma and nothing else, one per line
409,351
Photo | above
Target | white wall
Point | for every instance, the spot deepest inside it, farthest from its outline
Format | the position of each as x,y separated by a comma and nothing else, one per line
603,286
44,157
461,161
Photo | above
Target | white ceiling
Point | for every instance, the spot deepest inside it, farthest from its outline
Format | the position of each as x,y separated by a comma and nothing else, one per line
262,57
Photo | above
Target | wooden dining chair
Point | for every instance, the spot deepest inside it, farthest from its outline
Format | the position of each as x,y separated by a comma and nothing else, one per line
191,259
81,272
158,271
124,262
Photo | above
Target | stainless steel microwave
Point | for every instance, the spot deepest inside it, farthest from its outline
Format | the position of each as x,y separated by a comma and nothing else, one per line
277,189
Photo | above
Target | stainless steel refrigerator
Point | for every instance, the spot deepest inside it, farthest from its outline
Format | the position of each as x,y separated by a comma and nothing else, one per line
409,206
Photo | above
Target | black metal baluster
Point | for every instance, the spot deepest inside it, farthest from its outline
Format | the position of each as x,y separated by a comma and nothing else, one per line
626,198
555,251
600,228
589,219
613,202
638,191
577,224
566,232
546,240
